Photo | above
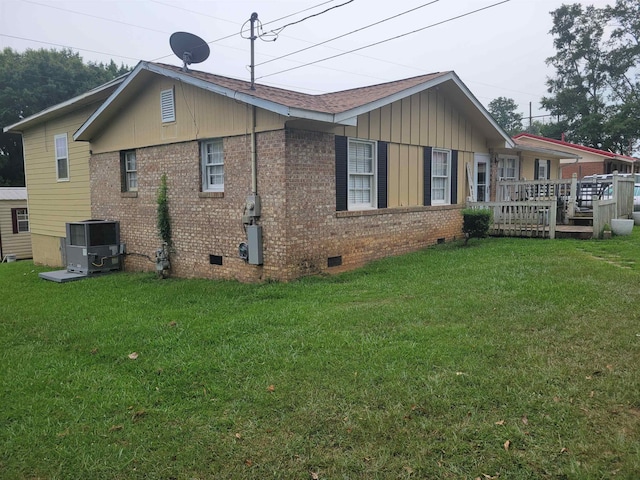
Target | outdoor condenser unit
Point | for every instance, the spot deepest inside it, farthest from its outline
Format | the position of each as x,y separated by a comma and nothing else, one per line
93,246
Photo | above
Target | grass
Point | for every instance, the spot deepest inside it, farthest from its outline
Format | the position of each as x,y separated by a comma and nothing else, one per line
421,366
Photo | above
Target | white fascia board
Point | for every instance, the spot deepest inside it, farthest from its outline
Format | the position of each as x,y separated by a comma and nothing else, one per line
510,142
61,106
354,112
227,92
134,73
548,151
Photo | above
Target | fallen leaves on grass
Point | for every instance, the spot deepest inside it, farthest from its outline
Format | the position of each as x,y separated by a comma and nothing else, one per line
500,422
133,355
115,428
271,388
138,415
506,445
525,420
564,450
314,476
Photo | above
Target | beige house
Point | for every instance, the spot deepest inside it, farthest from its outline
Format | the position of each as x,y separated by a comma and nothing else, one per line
15,240
268,183
57,170
589,161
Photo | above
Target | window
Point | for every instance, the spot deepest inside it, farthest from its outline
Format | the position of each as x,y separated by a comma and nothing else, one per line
212,161
508,168
20,220
62,157
440,177
361,174
167,106
542,169
129,167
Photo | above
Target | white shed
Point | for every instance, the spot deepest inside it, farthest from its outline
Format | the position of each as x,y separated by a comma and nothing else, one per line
15,239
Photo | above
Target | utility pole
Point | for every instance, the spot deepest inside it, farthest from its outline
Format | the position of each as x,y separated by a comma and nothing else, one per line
253,19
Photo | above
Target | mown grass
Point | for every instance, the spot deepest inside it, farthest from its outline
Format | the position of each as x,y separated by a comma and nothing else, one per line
421,366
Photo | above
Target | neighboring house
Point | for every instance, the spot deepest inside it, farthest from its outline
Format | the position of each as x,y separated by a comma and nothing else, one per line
591,161
14,223
57,170
310,183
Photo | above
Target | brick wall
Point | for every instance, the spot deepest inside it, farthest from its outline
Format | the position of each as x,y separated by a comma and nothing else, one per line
315,231
583,169
301,229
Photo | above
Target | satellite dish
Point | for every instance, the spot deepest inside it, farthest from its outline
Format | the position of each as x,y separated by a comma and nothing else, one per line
189,48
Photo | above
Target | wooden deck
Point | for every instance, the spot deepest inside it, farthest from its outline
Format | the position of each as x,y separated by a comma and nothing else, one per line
582,232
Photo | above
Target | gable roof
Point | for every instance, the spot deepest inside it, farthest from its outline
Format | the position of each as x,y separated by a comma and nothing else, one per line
573,146
13,193
96,94
340,108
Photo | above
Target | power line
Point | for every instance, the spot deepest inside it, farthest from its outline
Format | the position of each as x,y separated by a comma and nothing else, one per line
388,39
348,33
96,16
242,28
277,31
68,46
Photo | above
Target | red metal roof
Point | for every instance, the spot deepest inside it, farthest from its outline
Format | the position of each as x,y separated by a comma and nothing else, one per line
574,145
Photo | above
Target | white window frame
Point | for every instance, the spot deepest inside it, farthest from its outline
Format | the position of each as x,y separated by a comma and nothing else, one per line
61,156
542,170
130,174
22,219
167,106
436,174
503,168
212,165
360,178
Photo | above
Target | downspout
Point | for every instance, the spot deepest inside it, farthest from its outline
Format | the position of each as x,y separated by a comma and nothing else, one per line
254,156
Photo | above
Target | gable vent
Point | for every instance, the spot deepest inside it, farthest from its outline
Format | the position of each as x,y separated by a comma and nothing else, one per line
167,106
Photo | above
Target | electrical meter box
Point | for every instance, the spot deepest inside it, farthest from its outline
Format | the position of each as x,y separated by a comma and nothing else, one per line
93,246
254,244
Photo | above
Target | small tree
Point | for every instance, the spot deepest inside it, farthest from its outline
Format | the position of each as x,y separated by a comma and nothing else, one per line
163,263
164,221
476,223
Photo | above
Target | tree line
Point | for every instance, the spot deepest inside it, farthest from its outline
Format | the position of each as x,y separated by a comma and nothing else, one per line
595,92
34,80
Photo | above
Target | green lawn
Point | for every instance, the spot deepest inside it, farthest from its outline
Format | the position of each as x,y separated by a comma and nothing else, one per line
509,358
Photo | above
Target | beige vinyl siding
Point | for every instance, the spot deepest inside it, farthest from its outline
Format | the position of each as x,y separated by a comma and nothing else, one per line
52,203
18,244
46,250
527,166
425,119
199,114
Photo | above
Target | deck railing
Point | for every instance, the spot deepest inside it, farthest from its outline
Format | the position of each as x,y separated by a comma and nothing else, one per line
603,212
532,190
521,219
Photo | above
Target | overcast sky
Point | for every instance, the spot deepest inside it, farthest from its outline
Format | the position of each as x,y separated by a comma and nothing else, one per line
498,51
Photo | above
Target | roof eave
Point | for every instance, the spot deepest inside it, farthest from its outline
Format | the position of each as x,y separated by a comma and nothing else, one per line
19,127
237,95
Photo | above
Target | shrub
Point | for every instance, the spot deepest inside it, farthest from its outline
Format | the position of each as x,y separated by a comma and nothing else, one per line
476,222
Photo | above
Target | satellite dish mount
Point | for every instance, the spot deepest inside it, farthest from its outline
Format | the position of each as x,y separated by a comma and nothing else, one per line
189,48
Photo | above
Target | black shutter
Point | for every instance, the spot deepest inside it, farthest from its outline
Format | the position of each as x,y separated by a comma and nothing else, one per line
341,173
123,172
454,177
548,169
536,169
383,169
427,175
14,219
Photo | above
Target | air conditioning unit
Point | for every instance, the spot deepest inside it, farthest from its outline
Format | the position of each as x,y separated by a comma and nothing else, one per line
93,246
